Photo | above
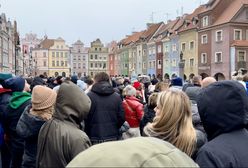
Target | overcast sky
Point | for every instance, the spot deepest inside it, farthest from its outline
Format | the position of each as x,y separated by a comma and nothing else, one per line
90,19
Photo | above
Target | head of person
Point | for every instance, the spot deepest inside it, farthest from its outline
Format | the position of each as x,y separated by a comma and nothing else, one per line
173,120
37,81
4,76
152,100
161,86
101,77
158,153
58,80
223,108
177,81
43,100
129,91
137,85
197,80
88,80
17,84
207,81
74,79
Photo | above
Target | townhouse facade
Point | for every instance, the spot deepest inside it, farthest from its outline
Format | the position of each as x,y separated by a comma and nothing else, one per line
79,59
98,58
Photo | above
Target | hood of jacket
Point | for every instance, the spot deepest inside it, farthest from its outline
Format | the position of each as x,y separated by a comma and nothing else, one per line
132,101
72,104
28,124
223,107
18,98
103,88
158,153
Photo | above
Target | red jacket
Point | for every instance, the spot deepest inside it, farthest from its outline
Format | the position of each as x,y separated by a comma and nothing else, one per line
133,111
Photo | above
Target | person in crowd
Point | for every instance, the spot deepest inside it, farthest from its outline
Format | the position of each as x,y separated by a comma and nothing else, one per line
61,138
133,112
19,100
33,117
89,83
82,85
134,152
37,81
74,79
154,80
161,86
177,82
245,79
58,81
139,91
119,86
106,114
196,83
149,112
223,109
5,95
173,121
207,81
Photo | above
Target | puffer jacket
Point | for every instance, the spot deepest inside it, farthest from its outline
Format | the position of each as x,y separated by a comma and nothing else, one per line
60,139
106,115
223,107
133,111
133,152
28,128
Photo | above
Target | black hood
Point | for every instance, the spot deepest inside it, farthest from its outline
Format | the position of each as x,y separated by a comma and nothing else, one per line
223,107
103,88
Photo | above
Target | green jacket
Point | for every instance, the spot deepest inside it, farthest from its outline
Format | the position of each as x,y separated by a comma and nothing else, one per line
18,98
134,152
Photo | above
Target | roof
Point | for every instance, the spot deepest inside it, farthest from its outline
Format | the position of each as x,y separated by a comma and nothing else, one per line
132,38
210,5
47,43
150,31
227,14
240,43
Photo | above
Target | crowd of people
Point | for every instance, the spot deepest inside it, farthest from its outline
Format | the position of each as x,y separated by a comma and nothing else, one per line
115,121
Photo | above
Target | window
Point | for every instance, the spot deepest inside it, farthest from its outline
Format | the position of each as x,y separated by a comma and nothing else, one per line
246,13
79,65
44,54
35,54
218,57
159,49
84,58
57,46
66,54
191,45
247,33
95,56
91,56
57,54
61,47
104,65
79,58
174,47
44,63
100,49
237,34
78,50
144,52
66,63
218,35
167,62
174,63
91,65
203,58
74,65
95,65
166,48
62,63
53,54
100,65
153,64
241,56
57,63
205,21
204,39
91,73
159,64
150,64
53,63
191,62
144,65
74,58
139,52
95,49
183,46
61,54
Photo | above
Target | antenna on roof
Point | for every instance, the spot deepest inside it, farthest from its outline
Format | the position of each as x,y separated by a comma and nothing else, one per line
167,17
181,10
152,17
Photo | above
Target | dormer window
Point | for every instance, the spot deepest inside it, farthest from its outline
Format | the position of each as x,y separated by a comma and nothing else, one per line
205,21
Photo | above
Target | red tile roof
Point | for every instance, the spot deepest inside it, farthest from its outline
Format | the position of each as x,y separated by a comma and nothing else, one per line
150,31
240,43
47,43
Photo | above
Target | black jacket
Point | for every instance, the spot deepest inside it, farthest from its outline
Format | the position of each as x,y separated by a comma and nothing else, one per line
149,114
223,107
28,128
106,115
60,139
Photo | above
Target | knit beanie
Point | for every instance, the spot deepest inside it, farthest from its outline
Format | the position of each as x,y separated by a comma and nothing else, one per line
43,97
16,84
177,82
4,76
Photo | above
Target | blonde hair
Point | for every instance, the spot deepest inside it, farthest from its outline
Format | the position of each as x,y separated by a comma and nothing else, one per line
161,86
152,100
174,122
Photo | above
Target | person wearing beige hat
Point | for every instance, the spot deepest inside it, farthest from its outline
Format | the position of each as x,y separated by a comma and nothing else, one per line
32,119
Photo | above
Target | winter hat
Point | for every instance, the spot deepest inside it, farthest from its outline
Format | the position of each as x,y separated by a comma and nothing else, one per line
74,79
43,97
37,81
4,76
136,85
177,82
16,84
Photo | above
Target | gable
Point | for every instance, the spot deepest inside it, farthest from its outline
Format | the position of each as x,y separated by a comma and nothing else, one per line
242,15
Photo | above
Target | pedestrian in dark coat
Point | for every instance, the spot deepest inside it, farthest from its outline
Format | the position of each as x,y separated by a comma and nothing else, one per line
32,119
61,138
223,107
19,100
106,114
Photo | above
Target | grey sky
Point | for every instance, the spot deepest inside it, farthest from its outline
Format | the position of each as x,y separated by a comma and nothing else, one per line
90,19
